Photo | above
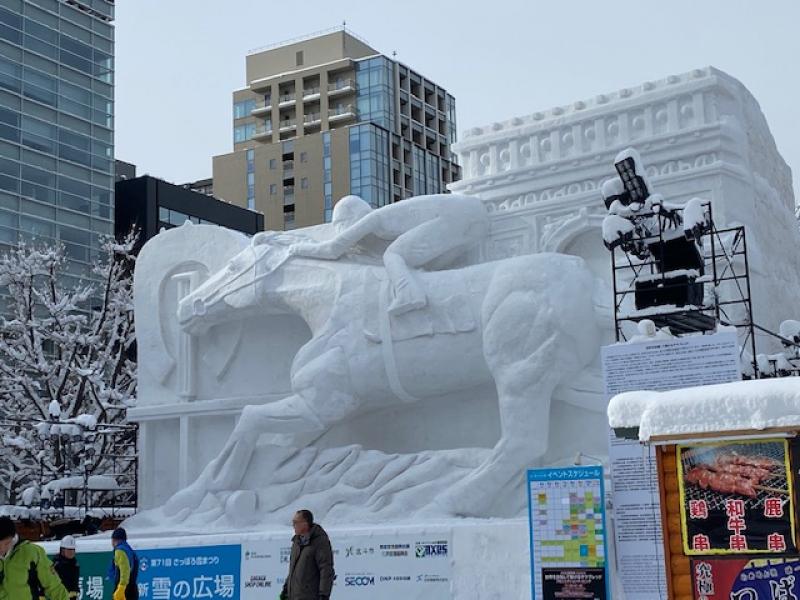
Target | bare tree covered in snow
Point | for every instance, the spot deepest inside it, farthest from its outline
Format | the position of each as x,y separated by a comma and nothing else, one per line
65,357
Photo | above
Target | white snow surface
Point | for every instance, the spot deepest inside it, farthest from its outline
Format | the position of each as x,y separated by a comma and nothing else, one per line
694,214
85,420
729,407
790,329
614,227
96,482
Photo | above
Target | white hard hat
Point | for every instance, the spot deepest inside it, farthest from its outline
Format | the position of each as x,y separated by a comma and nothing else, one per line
68,542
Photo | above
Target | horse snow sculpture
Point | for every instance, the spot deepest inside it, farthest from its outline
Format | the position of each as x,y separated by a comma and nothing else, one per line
525,324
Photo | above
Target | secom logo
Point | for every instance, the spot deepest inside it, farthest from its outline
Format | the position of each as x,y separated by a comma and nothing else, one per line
360,580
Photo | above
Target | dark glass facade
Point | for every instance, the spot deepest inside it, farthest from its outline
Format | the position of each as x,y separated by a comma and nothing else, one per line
56,125
375,91
369,164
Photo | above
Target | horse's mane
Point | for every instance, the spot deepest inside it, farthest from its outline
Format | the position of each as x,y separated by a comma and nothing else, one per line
280,238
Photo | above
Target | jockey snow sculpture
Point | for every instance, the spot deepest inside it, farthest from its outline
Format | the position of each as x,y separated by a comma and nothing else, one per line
425,231
387,333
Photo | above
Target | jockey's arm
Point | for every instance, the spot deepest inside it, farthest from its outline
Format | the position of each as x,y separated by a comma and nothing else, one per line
343,242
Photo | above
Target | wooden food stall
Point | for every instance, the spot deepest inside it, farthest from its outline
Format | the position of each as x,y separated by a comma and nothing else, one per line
727,460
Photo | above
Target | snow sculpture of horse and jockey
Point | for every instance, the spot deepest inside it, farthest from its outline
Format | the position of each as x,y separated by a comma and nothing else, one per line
389,329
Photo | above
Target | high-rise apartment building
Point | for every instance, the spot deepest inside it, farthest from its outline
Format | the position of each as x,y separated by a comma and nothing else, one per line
329,116
56,125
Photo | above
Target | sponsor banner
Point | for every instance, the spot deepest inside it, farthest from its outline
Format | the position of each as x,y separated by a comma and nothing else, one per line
93,582
745,579
407,566
736,498
263,570
660,366
566,510
209,572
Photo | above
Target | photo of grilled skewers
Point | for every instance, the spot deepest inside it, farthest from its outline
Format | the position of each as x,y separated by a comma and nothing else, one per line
750,471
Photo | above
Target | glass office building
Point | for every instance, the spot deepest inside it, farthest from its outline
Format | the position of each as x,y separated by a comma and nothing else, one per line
57,125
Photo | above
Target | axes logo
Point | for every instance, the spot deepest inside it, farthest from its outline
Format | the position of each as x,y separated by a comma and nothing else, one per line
427,549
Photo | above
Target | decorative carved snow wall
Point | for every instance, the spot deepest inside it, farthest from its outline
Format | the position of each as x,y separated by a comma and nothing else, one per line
700,134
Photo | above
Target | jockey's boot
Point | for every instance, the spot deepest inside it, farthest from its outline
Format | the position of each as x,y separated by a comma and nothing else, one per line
408,296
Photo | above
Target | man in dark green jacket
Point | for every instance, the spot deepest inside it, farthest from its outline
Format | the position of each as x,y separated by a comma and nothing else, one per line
24,567
311,571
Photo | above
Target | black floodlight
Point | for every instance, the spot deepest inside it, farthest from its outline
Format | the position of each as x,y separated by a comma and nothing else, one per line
635,187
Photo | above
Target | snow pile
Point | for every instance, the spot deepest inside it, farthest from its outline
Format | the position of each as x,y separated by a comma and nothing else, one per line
695,219
615,227
647,332
738,406
95,482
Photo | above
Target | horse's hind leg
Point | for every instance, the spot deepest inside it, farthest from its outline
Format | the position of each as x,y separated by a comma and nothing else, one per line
524,361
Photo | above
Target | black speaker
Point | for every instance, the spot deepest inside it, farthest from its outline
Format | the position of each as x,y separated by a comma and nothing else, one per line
676,254
679,290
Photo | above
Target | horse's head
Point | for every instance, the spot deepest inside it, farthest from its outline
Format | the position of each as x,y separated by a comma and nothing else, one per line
237,288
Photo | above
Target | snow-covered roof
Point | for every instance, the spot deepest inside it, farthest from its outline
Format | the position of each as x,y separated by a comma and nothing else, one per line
740,407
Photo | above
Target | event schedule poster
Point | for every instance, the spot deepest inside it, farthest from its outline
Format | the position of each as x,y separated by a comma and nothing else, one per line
658,365
736,497
566,510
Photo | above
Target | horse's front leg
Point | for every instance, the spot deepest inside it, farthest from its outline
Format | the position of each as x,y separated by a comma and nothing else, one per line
322,397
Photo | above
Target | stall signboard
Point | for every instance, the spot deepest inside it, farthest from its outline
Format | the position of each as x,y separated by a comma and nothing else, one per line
566,509
736,497
746,579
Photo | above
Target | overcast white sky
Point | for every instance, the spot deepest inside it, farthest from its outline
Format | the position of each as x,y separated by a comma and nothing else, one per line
177,61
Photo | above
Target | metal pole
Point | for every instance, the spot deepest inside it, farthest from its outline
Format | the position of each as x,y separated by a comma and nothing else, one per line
614,284
749,303
714,262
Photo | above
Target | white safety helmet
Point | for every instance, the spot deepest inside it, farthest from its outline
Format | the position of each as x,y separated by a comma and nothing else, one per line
68,543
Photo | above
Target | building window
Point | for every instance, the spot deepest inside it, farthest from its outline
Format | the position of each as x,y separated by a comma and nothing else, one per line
327,181
251,178
304,183
273,164
287,146
243,109
375,91
242,133
299,58
303,157
273,189
370,176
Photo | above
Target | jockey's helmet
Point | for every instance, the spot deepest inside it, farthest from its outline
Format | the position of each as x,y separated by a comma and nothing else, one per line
349,210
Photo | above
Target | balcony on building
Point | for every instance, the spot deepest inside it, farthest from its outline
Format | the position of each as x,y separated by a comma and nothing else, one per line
288,125
311,94
286,100
288,197
262,108
343,86
342,113
312,120
263,133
